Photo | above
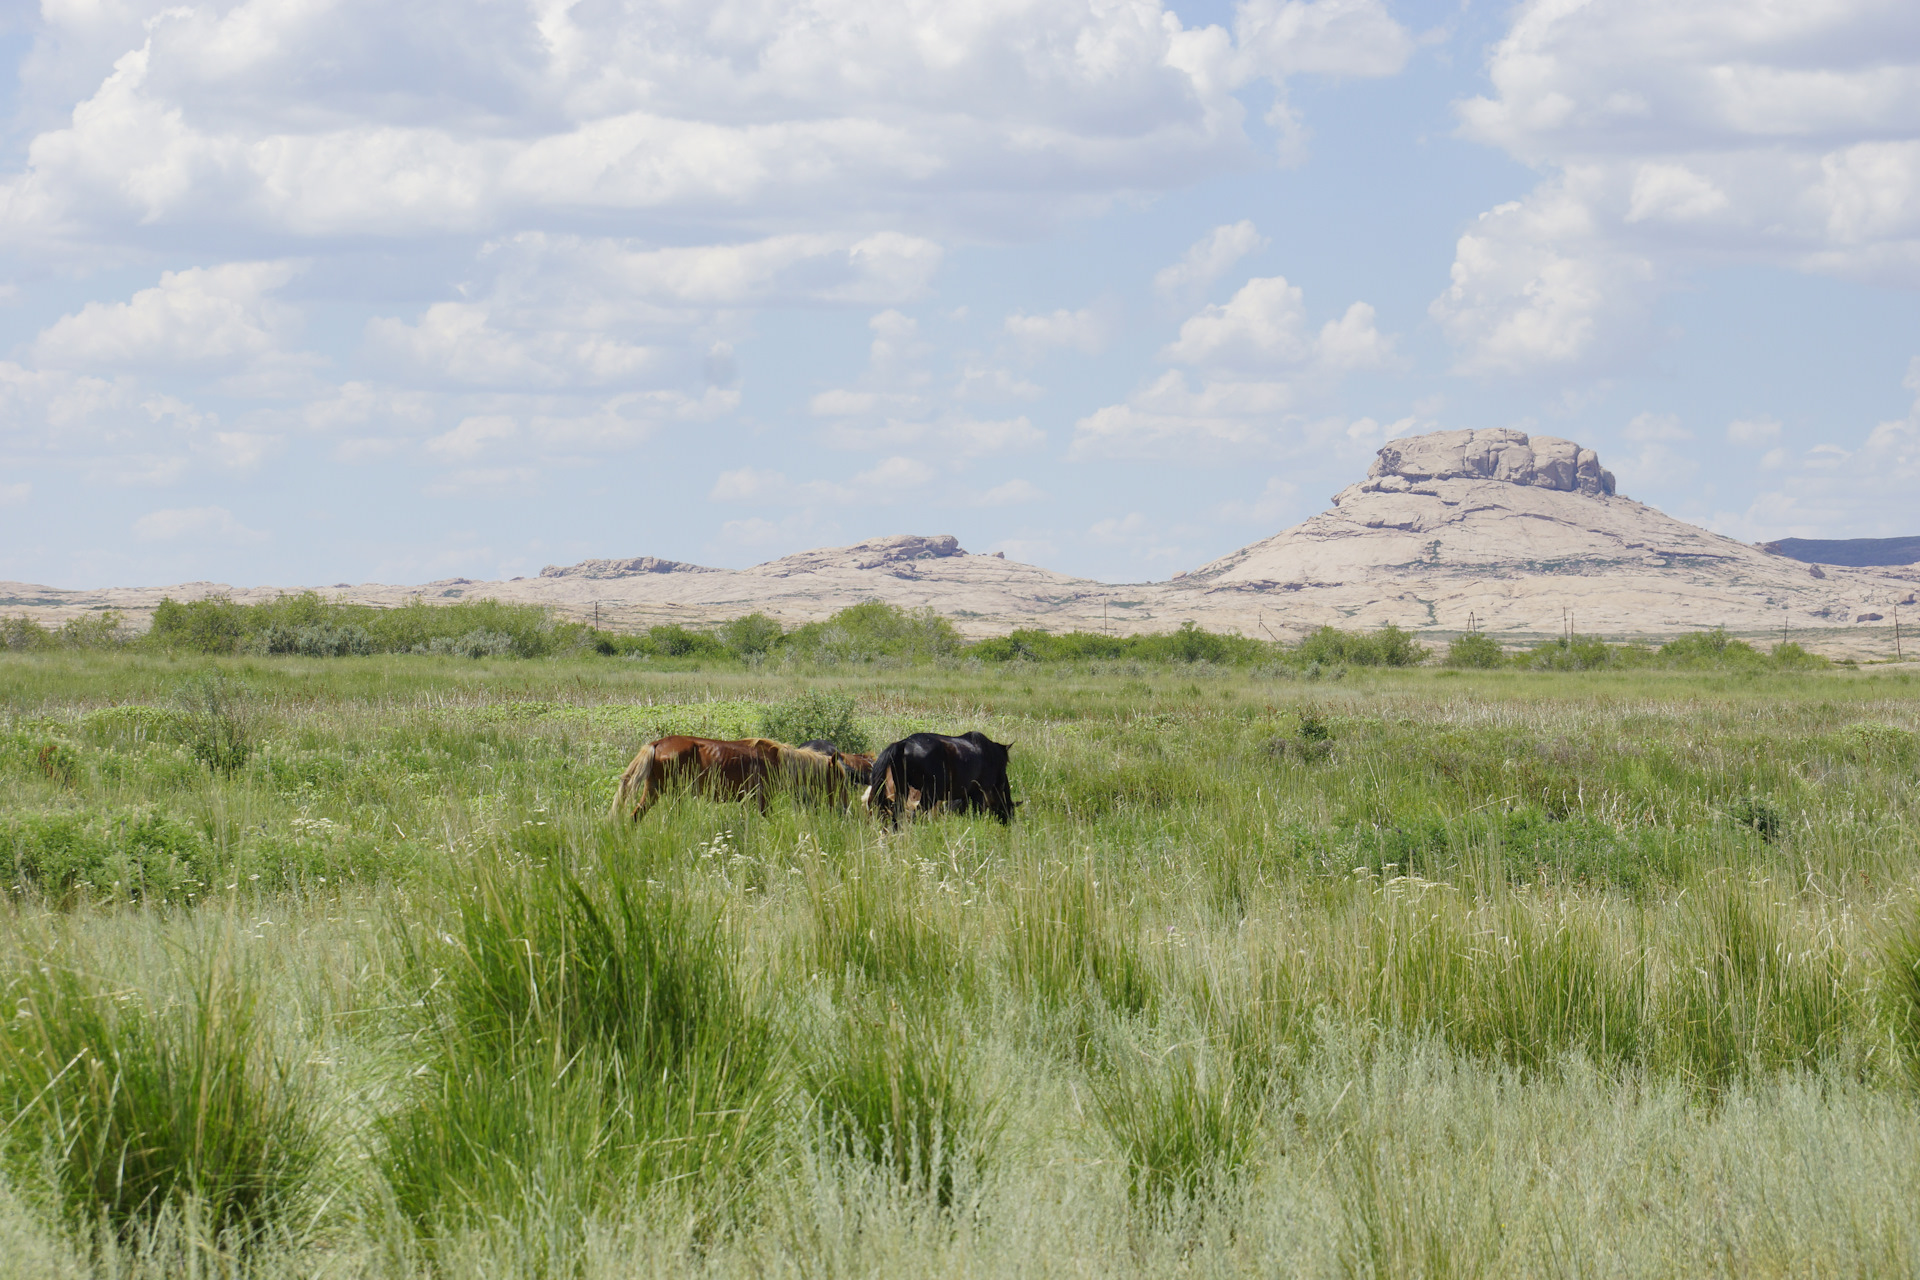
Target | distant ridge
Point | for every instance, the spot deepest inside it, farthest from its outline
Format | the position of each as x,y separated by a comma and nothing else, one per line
1515,535
1857,553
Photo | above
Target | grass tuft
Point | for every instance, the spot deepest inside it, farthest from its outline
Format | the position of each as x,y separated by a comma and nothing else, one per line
134,1112
893,1090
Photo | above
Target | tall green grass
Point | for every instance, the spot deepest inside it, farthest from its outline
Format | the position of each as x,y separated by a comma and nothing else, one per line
586,1037
128,1112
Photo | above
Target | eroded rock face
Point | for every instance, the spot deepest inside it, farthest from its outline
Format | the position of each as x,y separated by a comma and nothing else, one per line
622,568
1495,453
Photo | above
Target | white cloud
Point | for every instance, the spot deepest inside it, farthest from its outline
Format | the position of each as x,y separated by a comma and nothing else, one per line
460,343
1753,433
1679,136
484,480
626,278
1274,502
1169,421
206,316
1264,327
1209,258
357,118
1012,493
1087,329
1260,364
891,480
1656,462
241,450
203,524
1535,286
473,436
15,494
1325,37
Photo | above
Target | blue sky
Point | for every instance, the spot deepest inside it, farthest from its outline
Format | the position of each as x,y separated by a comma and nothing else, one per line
315,291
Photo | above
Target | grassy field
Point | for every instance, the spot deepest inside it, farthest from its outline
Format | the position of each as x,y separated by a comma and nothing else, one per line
336,967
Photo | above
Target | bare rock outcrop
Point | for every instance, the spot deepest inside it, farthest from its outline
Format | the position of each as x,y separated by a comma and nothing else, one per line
599,569
1510,532
1498,453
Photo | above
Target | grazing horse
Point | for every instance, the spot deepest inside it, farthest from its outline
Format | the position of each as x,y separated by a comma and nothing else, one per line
736,770
930,771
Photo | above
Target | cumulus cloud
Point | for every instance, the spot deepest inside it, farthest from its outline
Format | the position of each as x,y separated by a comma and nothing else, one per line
1264,327
891,480
1680,136
1832,490
1209,258
1753,433
1086,330
1326,37
206,316
1260,365
362,118
201,524
15,494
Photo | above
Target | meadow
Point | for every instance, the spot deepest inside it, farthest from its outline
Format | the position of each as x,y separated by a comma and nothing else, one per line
335,966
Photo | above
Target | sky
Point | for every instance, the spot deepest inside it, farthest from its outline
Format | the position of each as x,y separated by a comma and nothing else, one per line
319,291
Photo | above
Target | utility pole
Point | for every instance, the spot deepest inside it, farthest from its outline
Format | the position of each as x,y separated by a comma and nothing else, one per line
1896,635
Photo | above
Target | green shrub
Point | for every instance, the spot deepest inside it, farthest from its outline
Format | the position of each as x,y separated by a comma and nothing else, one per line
23,634
474,644
750,636
1760,814
145,855
1387,647
676,641
813,714
320,640
1573,653
1474,650
219,721
875,629
213,625
1189,643
1709,649
131,1111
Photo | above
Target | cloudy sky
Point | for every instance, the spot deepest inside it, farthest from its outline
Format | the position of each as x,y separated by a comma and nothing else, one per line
306,291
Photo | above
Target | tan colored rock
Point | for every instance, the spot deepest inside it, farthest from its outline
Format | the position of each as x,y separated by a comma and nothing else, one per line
1511,531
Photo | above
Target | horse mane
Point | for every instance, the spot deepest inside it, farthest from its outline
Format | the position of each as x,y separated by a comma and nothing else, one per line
799,758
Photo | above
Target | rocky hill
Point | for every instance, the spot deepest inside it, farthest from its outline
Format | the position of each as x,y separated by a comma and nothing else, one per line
1491,528
1515,532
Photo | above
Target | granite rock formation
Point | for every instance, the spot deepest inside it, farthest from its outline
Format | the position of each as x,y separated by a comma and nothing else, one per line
1507,532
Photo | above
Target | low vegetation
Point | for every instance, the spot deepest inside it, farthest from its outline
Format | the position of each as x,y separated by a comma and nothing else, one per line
873,633
338,967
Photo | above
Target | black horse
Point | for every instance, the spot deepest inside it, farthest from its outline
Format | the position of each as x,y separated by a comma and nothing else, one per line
966,774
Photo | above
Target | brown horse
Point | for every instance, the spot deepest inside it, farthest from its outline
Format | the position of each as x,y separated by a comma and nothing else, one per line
736,770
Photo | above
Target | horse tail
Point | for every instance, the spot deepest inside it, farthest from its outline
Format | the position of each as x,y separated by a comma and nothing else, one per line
887,784
639,778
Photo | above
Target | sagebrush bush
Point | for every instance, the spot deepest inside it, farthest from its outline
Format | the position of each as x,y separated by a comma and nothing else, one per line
474,644
219,720
1474,650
